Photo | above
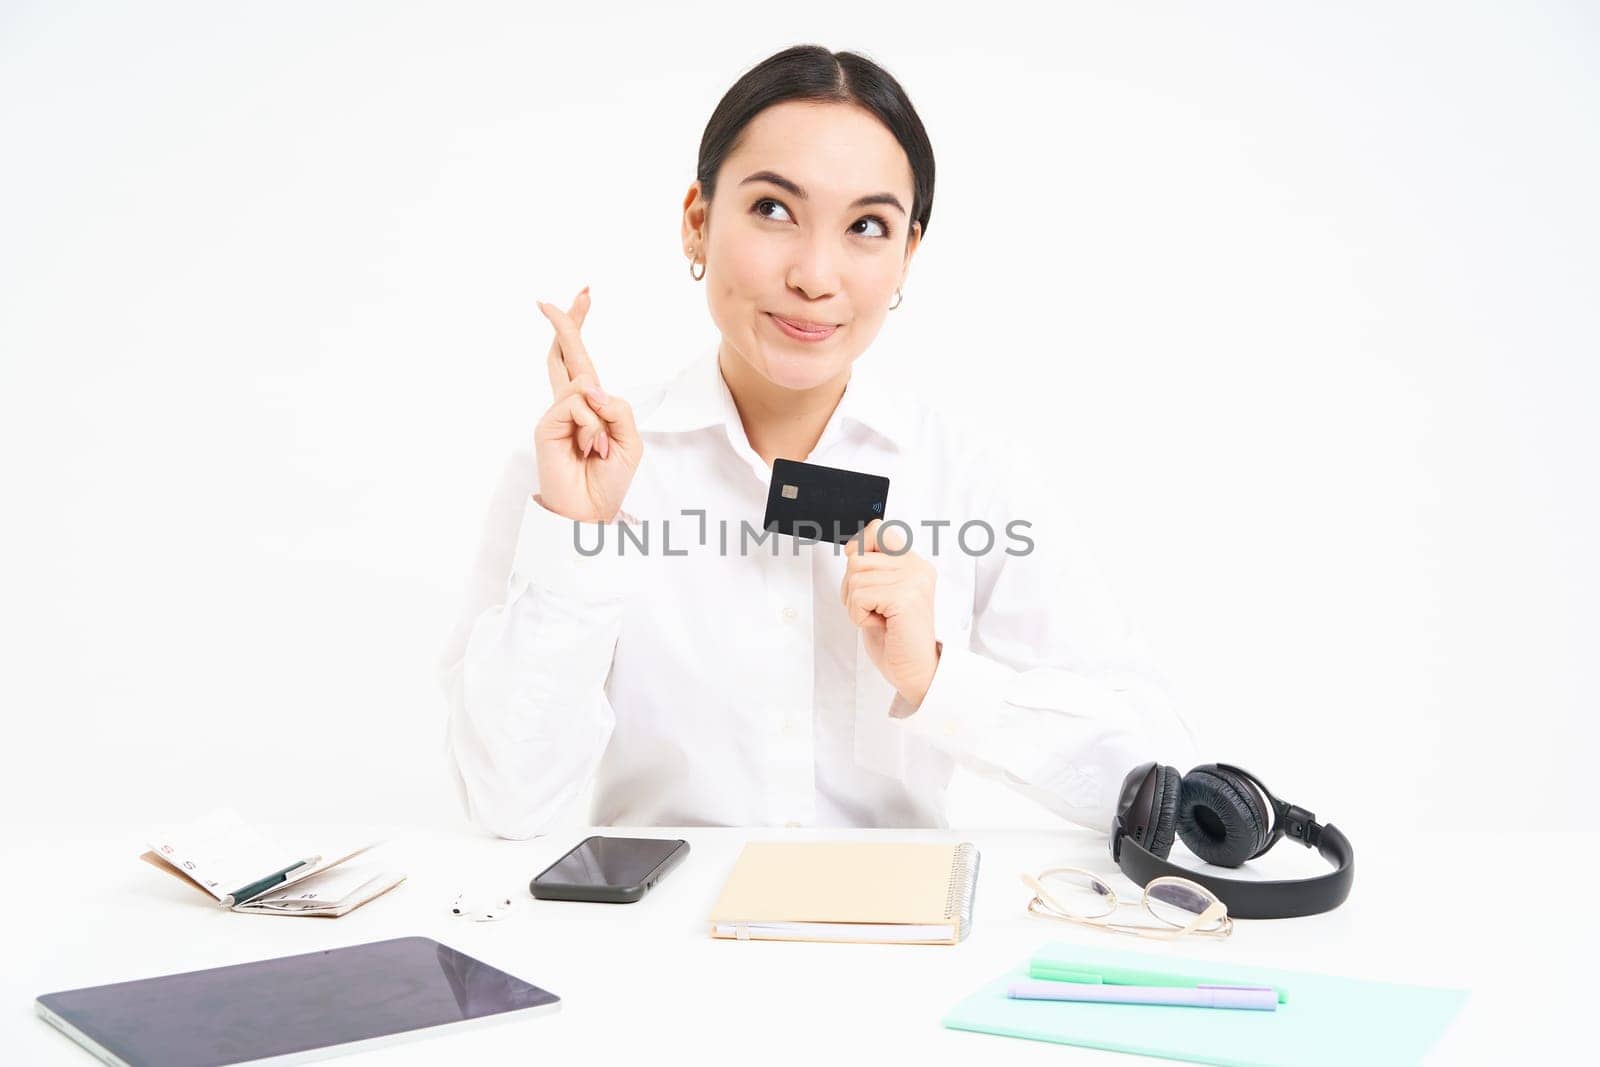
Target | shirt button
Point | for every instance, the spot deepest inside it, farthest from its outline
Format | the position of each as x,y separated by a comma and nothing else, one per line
788,728
789,613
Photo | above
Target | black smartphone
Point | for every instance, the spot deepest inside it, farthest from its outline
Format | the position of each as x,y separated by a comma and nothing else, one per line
614,870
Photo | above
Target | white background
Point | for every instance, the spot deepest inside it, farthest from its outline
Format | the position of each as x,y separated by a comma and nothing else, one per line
1297,301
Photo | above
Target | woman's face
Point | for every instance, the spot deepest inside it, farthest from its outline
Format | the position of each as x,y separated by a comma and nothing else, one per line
789,236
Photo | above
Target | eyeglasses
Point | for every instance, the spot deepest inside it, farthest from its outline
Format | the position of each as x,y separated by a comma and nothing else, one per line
1181,906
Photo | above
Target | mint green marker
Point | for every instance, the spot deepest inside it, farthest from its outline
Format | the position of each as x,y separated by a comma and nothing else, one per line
1065,972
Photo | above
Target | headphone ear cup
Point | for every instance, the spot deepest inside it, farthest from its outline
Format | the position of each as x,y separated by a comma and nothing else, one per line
1169,788
1220,818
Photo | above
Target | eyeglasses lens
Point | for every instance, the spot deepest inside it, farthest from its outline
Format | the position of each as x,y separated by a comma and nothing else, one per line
1080,893
1177,903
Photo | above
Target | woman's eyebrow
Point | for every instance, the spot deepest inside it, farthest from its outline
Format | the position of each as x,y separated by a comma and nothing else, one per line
788,186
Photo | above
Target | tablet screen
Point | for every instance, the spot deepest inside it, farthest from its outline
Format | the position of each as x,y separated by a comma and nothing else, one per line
251,1011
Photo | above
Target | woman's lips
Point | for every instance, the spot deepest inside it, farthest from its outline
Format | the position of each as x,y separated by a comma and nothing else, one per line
802,331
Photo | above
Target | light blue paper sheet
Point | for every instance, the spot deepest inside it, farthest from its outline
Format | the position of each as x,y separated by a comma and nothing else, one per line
1327,1020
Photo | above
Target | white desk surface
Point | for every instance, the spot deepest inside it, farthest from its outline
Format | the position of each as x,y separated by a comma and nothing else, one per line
645,982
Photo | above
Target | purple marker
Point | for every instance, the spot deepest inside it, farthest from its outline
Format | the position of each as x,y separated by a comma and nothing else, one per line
1251,997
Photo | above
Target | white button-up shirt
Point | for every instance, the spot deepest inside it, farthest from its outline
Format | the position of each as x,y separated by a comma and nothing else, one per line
705,672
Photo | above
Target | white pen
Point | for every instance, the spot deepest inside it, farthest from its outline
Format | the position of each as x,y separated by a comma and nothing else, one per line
1255,998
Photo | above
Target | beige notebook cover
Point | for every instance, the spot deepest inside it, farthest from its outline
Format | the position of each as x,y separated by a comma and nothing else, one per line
909,892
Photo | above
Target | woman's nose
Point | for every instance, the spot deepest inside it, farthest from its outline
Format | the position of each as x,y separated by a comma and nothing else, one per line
814,270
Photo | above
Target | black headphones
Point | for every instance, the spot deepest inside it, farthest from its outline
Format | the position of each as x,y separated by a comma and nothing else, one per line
1218,813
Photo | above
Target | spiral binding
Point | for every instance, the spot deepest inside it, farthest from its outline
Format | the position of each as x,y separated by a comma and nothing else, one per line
963,887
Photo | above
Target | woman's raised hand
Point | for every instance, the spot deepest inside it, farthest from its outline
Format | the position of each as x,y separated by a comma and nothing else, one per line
587,444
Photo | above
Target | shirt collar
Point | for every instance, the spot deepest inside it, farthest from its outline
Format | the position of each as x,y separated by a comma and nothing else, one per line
697,397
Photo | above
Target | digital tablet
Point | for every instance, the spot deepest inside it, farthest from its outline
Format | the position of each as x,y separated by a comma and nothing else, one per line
293,1009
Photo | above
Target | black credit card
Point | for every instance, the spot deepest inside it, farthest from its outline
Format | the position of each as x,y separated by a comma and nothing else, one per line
822,503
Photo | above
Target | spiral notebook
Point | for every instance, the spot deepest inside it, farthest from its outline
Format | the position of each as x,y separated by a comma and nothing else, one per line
901,892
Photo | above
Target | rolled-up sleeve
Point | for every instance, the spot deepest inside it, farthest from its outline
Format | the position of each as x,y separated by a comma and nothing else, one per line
1053,690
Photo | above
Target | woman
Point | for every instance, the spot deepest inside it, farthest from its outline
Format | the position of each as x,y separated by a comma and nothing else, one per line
698,680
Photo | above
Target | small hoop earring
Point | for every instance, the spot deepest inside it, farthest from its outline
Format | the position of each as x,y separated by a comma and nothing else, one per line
692,265
897,299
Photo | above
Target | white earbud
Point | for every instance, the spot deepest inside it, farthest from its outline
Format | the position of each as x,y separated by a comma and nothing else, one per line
480,908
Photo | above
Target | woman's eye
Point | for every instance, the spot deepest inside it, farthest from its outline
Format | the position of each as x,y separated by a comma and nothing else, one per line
883,227
768,200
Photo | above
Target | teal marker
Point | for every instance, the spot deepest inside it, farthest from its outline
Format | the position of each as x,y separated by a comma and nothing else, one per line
1063,972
